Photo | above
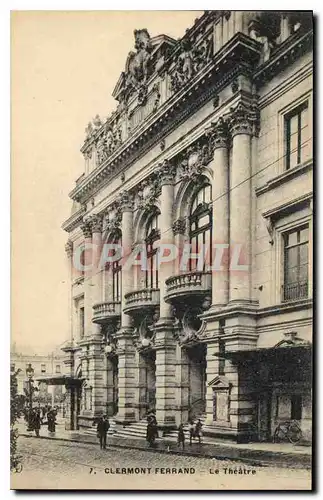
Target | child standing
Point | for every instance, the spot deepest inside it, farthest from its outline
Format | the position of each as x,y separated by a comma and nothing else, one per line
181,436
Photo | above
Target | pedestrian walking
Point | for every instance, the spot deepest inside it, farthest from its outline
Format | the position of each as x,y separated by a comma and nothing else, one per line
36,421
51,420
152,429
101,430
192,431
198,430
181,436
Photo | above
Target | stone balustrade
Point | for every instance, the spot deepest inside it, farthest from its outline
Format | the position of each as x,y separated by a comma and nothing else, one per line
140,299
104,311
188,285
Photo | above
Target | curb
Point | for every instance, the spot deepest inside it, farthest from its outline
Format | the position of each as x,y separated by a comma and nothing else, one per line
278,459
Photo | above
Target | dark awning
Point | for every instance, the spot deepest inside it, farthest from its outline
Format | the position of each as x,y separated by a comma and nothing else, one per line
268,353
60,380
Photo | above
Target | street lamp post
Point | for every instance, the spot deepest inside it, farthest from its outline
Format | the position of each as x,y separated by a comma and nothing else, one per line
30,373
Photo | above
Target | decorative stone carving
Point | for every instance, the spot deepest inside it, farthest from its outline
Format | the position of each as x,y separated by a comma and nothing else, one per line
187,325
125,201
165,172
218,135
69,248
137,69
96,222
190,61
113,219
244,119
195,158
148,193
97,122
157,98
216,101
179,226
86,229
88,154
144,333
89,131
235,86
101,149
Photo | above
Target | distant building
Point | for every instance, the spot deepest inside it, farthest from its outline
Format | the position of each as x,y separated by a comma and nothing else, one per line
44,365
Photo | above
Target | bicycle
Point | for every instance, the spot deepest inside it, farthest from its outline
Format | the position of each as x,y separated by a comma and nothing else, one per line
288,431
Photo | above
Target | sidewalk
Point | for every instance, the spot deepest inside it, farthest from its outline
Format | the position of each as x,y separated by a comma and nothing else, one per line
257,454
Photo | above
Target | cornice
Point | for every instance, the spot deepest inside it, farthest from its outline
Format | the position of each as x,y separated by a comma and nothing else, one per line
235,57
286,53
285,308
284,177
280,210
74,221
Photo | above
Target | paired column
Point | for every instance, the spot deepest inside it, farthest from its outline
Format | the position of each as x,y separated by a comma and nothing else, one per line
96,295
165,343
242,124
126,351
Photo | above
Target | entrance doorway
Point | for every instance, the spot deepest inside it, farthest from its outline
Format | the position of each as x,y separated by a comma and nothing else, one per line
112,386
197,379
147,381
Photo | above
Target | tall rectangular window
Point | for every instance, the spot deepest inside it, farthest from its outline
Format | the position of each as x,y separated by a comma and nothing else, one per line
82,324
297,135
296,264
58,369
43,368
221,356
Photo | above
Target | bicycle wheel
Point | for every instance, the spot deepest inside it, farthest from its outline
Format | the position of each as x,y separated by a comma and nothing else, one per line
294,435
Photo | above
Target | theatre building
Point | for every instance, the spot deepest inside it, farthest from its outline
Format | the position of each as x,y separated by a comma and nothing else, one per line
209,148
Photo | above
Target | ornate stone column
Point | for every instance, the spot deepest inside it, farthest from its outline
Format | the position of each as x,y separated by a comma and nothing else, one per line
166,174
220,216
96,295
165,343
243,125
126,351
87,232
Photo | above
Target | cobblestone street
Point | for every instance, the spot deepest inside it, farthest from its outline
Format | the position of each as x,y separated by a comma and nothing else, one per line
58,464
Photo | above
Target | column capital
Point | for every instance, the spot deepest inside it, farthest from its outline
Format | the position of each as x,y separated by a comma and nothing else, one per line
96,222
218,134
244,119
86,229
126,201
166,172
69,248
179,226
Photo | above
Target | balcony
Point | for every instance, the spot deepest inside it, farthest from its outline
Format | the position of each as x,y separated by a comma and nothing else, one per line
137,301
295,291
188,286
106,311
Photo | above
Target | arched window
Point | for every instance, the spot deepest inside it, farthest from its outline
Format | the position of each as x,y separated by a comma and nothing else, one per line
152,235
116,274
115,267
201,225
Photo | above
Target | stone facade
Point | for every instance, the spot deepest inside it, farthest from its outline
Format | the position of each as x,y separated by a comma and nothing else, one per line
210,143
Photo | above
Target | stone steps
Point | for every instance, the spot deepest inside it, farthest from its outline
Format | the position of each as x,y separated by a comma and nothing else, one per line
137,430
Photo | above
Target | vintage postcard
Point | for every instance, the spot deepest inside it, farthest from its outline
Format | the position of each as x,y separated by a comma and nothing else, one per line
169,346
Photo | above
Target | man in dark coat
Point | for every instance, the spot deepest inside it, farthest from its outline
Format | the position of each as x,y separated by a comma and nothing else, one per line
36,422
102,429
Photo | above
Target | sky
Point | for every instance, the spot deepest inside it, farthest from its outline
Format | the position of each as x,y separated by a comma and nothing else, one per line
64,66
